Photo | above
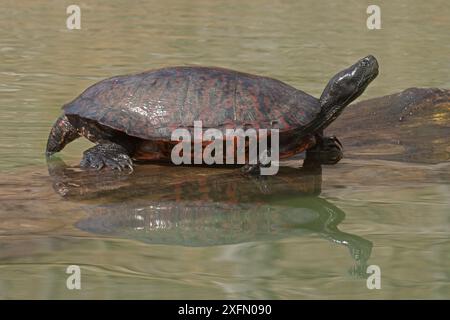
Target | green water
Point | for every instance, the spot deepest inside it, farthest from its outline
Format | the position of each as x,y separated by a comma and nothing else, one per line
247,244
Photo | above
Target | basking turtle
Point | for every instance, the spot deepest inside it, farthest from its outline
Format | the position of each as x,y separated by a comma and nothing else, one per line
133,116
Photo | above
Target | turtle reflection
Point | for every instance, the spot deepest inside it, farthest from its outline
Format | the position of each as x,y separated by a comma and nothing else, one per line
203,209
183,183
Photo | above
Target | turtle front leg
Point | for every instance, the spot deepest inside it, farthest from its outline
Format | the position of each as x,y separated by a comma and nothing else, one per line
109,154
327,150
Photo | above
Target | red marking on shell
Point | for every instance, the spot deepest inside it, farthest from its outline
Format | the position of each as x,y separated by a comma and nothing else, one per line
150,105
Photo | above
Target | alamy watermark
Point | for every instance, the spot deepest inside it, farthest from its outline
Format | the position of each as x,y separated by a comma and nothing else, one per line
73,281
73,21
374,20
242,146
374,280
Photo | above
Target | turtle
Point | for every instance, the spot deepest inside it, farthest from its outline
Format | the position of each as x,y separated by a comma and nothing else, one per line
131,117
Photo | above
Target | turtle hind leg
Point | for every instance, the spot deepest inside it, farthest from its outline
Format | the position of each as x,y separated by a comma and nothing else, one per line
328,150
108,154
60,135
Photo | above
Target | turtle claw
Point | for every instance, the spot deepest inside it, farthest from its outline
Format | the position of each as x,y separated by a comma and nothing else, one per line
335,141
98,166
130,166
108,155
329,150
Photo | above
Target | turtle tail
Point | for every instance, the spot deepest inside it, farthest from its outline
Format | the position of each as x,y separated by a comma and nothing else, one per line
61,134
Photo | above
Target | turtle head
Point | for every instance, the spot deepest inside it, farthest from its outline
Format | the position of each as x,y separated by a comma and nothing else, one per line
348,85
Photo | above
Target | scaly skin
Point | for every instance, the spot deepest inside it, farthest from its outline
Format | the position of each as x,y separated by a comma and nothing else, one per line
110,155
62,133
328,150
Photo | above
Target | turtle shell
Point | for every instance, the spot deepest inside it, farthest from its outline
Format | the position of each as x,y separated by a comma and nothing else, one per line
150,105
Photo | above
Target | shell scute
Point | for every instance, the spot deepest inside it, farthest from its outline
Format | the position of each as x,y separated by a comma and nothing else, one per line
150,105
